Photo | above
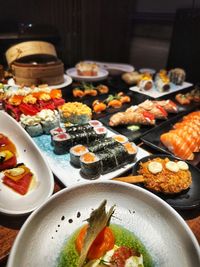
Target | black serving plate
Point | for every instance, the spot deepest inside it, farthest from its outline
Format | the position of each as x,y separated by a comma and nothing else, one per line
187,199
152,138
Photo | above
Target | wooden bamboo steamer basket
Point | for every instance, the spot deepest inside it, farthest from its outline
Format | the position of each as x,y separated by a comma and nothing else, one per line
28,74
29,48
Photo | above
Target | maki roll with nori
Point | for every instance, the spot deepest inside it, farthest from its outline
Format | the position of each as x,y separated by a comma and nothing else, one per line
120,154
49,125
91,136
34,130
108,161
75,153
55,131
79,138
62,143
101,131
99,144
78,128
90,166
131,150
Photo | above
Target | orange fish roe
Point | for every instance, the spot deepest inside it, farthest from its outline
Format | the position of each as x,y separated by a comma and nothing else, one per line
89,157
119,138
56,93
130,148
79,149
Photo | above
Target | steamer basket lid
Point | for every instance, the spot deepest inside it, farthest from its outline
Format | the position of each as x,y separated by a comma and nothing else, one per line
29,48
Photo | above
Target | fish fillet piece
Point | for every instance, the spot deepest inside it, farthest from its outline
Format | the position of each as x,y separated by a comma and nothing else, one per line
168,105
190,139
177,146
127,118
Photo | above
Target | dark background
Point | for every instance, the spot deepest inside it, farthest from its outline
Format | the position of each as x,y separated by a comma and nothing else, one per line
143,33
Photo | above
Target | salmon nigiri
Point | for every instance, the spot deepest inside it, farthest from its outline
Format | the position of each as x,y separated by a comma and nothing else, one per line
177,145
190,138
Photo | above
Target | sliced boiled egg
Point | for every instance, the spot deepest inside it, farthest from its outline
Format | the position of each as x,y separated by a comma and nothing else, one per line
172,166
155,167
183,165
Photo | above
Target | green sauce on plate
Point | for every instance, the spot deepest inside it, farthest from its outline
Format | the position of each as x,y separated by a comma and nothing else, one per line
69,256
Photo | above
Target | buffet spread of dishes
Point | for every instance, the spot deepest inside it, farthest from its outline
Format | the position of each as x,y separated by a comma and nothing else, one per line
71,129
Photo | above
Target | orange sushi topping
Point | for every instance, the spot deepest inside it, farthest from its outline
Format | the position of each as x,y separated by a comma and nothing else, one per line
79,149
88,157
130,148
119,138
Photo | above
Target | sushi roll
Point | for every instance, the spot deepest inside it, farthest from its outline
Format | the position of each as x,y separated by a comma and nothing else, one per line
91,136
79,128
34,130
55,131
95,123
75,153
101,131
90,165
49,125
132,150
108,161
120,154
99,144
120,139
62,143
79,138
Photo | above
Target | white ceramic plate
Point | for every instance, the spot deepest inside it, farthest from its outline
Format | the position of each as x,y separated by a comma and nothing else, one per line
114,68
164,233
102,75
66,173
67,81
155,93
28,153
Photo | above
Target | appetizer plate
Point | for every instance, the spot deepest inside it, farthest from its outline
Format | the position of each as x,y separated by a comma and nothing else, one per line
152,137
28,153
102,75
113,68
66,173
154,93
154,222
187,199
67,81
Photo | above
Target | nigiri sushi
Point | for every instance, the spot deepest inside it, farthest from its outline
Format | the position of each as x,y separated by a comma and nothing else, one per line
127,118
177,145
168,105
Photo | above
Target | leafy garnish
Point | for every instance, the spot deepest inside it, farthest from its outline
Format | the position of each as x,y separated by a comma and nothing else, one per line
99,218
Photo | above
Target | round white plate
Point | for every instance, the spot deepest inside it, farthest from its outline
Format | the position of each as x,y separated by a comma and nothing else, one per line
67,81
102,75
164,233
114,68
11,202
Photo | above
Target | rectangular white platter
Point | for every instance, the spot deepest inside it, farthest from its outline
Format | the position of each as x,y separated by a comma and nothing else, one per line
154,93
65,172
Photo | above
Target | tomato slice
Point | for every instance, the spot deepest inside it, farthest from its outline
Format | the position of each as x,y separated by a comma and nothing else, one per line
104,242
21,186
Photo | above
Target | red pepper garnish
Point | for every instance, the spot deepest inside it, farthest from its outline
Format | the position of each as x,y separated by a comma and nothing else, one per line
148,115
164,112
